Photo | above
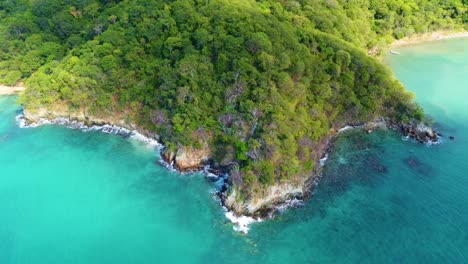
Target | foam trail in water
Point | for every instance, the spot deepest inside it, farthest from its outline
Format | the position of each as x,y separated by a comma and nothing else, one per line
108,129
290,203
323,160
428,143
241,223
140,137
345,129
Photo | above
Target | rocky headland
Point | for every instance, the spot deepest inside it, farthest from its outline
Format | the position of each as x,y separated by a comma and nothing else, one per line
262,205
190,158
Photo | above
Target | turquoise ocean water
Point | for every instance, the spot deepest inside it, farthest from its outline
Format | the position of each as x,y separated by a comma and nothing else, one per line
67,196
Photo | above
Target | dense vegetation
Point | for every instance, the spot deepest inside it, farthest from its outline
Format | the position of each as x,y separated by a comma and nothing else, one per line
260,81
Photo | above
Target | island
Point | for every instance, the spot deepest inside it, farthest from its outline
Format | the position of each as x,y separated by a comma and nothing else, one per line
255,90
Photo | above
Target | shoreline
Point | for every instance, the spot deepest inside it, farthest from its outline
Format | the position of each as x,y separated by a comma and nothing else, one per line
378,51
427,37
11,90
220,178
240,223
124,132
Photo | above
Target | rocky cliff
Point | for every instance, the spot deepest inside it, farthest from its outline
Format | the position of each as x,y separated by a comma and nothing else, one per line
261,204
81,115
190,158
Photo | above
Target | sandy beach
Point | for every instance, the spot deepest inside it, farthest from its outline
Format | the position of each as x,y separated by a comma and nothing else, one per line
5,90
438,35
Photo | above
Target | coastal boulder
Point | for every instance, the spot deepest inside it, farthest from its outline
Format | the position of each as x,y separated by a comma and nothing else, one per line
188,158
168,156
420,132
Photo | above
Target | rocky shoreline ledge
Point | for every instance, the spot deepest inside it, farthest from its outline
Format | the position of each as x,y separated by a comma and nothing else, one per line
278,196
282,196
24,122
188,159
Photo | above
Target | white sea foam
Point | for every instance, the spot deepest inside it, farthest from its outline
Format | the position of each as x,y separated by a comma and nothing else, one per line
108,129
345,128
241,223
316,181
140,137
428,143
169,166
289,203
21,121
323,160
219,183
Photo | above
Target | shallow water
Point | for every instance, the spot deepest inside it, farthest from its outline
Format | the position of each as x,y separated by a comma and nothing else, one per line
67,196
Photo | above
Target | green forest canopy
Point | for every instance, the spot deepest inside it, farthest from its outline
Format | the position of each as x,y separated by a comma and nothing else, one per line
260,81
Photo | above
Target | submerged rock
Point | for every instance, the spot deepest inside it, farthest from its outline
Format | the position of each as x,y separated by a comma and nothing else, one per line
417,165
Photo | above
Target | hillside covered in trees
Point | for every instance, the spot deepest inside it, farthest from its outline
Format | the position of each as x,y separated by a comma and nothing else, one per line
258,83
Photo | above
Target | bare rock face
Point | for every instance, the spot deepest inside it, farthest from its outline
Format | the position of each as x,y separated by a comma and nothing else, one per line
80,115
168,156
263,203
57,111
35,116
420,132
373,125
188,158
425,130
